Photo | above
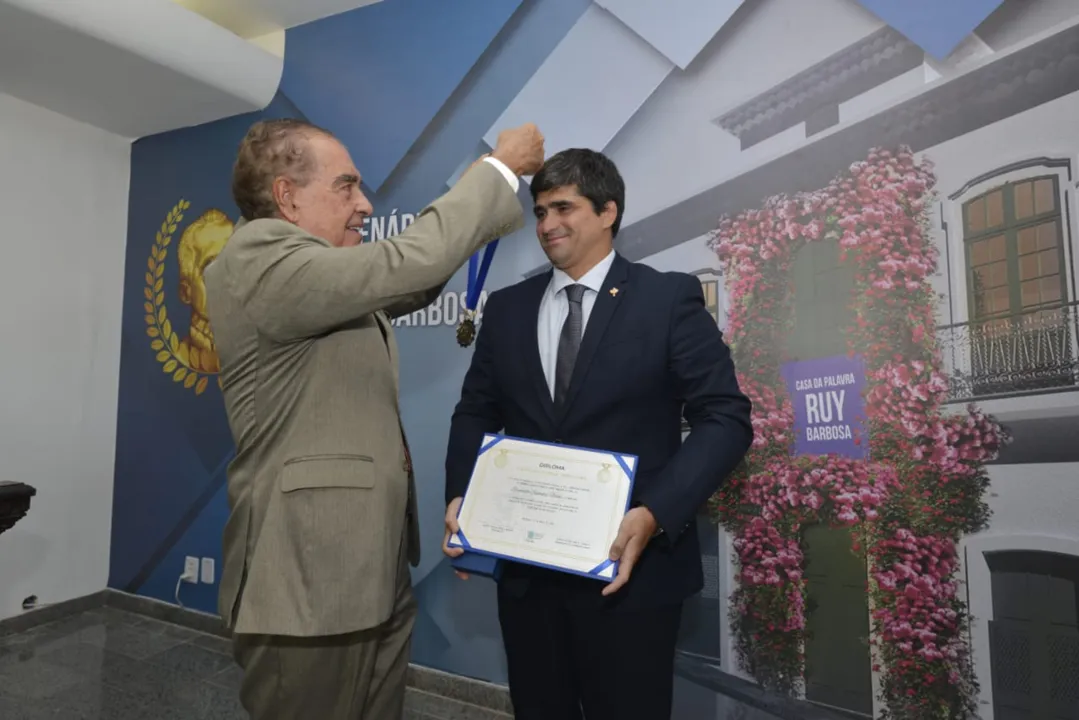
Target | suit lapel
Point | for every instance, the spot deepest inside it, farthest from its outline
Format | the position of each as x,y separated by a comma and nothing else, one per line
533,363
607,303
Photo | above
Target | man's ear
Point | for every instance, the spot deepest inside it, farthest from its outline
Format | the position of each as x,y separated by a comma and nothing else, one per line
284,195
609,214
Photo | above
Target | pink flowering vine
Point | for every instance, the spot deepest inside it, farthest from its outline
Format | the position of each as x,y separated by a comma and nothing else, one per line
925,484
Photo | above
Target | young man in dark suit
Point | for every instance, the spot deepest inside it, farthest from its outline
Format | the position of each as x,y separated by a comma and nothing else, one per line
605,354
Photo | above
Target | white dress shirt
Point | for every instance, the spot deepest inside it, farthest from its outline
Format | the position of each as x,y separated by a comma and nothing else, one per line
506,172
554,309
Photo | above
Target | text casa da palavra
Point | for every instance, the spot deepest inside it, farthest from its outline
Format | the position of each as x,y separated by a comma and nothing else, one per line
824,400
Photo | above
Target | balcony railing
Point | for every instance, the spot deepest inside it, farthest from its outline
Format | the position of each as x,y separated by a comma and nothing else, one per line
1031,353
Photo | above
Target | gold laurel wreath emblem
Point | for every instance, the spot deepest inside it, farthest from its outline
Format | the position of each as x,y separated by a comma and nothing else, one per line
163,340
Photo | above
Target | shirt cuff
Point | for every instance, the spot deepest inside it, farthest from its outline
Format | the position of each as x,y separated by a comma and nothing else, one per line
506,172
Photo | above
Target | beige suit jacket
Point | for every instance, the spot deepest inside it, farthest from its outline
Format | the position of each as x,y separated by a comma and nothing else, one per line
319,493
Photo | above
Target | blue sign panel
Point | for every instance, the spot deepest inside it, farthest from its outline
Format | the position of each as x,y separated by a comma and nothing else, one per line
829,411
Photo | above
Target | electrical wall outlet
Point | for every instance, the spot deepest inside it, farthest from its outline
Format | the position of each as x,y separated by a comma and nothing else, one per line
208,570
191,569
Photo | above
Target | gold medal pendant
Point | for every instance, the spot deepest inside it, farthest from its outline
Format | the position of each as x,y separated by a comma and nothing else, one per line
466,329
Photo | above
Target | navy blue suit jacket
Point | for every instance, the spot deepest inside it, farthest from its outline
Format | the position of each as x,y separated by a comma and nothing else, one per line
651,353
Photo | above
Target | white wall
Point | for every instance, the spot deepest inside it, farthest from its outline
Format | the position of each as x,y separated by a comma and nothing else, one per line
777,39
63,228
1033,509
1047,132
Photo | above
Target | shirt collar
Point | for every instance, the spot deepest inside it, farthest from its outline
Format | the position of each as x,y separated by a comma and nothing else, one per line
593,279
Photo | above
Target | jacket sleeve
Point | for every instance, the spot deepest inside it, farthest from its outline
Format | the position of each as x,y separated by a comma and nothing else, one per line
717,411
416,301
294,286
479,409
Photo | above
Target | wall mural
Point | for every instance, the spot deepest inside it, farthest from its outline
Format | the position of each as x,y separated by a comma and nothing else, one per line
884,220
856,255
189,358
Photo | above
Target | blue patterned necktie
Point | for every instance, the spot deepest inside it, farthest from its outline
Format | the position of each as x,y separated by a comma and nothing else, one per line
569,342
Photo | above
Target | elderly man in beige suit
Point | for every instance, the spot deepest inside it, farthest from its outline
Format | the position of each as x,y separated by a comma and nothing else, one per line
315,583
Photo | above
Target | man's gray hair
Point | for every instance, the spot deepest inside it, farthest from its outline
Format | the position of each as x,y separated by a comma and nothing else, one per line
270,149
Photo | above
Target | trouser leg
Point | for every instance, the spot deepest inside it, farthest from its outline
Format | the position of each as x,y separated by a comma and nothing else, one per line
355,676
386,695
625,661
287,678
536,636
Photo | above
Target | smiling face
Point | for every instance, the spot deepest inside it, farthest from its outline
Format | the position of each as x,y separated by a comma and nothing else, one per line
578,197
572,234
330,204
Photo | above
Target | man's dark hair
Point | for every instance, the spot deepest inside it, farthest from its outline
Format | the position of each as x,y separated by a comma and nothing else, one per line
270,149
593,173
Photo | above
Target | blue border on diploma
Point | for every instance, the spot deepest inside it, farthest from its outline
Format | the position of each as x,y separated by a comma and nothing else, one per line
478,565
492,439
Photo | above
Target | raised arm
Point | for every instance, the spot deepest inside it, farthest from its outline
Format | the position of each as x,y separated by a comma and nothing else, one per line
717,411
294,285
418,301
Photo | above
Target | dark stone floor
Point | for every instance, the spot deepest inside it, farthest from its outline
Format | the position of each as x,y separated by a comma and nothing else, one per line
107,664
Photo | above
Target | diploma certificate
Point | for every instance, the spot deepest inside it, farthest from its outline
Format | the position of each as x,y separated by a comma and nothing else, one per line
544,504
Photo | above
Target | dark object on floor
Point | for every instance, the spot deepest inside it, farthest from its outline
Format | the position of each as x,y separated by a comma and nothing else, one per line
14,503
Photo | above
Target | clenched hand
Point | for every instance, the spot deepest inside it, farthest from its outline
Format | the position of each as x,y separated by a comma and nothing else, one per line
520,149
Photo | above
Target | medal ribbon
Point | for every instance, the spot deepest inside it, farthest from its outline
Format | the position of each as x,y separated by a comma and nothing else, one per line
477,274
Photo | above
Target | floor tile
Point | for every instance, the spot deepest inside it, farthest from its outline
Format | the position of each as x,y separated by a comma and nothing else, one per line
109,664
94,701
212,642
229,678
203,701
422,703
192,660
136,641
34,679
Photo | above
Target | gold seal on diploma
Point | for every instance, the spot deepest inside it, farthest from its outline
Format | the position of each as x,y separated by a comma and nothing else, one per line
466,329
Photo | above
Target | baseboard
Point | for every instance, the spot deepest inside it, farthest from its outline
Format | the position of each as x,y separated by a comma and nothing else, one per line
30,619
435,682
487,695
167,612
429,680
458,687
707,675
483,694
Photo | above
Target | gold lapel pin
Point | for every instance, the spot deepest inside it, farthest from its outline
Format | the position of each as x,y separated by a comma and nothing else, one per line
614,292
